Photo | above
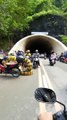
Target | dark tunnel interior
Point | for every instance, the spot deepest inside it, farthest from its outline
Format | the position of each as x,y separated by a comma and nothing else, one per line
40,44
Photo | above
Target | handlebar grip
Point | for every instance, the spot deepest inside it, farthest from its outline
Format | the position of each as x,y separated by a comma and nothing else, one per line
59,116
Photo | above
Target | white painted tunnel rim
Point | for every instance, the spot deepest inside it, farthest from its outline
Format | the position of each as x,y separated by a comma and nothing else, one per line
36,36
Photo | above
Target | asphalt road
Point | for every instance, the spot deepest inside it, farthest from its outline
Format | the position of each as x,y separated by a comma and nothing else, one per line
17,97
17,100
58,78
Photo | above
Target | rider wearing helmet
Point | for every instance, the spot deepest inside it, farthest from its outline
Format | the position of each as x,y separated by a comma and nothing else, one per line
52,55
37,53
27,53
36,56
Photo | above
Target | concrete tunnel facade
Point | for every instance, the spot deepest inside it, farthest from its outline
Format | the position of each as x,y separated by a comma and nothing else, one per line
44,43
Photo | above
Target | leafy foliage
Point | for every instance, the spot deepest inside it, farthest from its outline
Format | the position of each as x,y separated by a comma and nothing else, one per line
15,15
63,39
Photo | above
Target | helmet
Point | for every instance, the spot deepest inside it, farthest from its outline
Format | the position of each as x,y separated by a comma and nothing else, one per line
28,51
36,50
11,54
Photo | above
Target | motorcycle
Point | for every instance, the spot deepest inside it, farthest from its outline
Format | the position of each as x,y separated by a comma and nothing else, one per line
12,69
52,62
35,62
49,96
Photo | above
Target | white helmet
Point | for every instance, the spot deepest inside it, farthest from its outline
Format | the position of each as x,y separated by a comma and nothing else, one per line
36,50
28,51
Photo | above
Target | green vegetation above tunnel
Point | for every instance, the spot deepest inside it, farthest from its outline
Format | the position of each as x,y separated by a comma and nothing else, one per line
16,17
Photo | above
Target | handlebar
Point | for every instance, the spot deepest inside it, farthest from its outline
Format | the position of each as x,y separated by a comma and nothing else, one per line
61,115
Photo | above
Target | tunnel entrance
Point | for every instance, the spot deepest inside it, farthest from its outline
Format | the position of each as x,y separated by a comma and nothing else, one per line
44,43
40,44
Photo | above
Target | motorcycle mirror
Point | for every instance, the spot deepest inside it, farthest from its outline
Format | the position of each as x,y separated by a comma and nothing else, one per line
45,95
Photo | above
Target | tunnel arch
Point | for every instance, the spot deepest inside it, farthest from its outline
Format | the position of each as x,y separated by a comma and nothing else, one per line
44,43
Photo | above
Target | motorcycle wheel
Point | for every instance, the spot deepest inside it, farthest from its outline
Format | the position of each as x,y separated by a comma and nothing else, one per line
0,71
15,72
52,64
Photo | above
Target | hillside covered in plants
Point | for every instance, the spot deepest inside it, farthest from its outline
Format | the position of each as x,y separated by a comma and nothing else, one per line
19,17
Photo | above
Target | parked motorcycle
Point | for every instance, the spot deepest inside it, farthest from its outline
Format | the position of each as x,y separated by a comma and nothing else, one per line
49,96
12,69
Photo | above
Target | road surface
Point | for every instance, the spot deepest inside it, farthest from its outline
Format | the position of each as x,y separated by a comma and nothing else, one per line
17,100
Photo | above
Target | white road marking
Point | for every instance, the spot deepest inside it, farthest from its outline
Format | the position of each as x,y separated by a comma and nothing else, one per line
42,107
44,81
40,77
47,83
